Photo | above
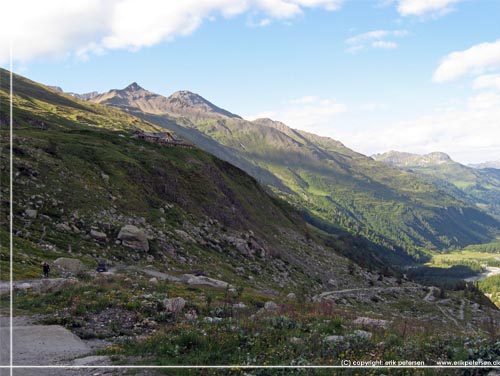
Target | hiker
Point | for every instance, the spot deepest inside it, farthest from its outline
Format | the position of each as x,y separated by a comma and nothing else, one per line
46,269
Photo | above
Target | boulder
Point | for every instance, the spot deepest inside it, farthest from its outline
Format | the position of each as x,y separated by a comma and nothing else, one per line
201,280
68,265
371,322
133,237
239,305
240,244
296,340
363,334
334,339
212,320
174,305
291,296
185,236
99,236
270,306
31,213
63,227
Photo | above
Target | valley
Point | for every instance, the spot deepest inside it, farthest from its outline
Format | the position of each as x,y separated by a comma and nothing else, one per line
294,253
485,264
337,189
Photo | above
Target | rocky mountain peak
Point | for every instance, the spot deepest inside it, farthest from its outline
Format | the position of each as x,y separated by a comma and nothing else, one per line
57,88
438,156
187,101
133,87
402,159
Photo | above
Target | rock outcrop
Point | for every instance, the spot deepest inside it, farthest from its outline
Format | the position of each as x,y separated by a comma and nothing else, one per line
133,237
201,280
174,305
68,265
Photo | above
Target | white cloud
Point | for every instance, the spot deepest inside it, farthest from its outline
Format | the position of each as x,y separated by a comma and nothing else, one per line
375,39
484,101
373,106
307,112
305,100
61,27
384,44
487,81
475,60
261,23
425,7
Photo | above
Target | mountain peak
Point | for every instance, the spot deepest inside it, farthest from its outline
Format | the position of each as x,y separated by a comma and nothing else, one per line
133,87
185,101
438,156
402,159
488,164
188,97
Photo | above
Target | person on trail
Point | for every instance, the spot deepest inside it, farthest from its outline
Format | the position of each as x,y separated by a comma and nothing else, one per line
46,269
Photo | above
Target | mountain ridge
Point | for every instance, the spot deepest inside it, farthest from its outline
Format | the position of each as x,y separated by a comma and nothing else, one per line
177,103
488,164
338,187
399,159
478,187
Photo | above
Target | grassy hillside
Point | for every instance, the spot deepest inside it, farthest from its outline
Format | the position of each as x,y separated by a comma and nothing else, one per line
86,181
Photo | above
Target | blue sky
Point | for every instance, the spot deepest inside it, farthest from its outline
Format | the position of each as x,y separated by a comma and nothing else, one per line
409,75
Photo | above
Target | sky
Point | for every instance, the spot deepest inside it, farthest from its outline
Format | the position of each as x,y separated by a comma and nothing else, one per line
408,75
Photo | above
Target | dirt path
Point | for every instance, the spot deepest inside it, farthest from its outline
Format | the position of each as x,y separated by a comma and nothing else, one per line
430,295
157,274
450,317
39,345
461,315
363,289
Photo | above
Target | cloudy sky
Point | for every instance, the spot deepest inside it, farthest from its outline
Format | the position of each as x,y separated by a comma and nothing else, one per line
409,75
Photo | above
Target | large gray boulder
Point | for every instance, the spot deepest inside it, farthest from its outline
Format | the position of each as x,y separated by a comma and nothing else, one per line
201,280
68,265
334,339
63,227
270,306
363,334
133,237
31,213
367,321
174,305
99,236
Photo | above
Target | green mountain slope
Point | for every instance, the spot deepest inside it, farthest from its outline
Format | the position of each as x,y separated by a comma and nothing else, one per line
80,178
478,187
337,188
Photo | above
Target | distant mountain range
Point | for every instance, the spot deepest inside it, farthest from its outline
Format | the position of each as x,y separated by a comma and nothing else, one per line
477,186
402,159
336,188
179,103
489,164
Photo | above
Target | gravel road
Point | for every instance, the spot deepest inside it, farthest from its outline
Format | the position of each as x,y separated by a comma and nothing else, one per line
46,345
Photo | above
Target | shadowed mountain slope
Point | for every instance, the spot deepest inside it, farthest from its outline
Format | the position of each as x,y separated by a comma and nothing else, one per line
336,188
